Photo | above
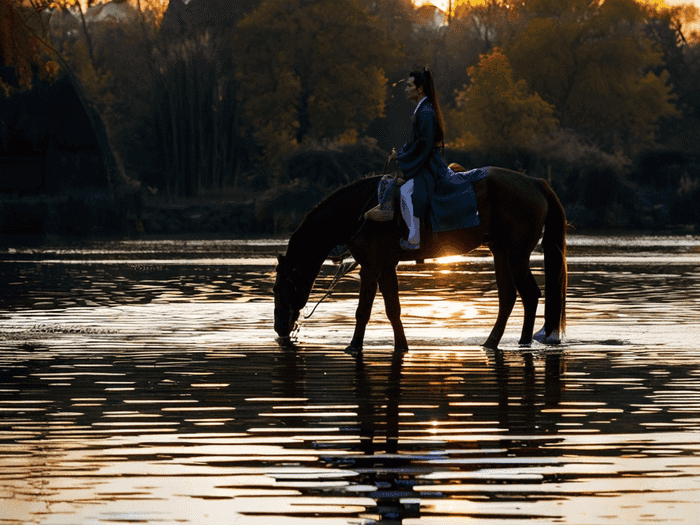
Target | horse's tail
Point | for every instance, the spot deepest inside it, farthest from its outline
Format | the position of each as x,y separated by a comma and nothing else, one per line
556,273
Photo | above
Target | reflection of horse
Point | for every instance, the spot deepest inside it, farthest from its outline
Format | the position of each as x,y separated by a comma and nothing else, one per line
514,209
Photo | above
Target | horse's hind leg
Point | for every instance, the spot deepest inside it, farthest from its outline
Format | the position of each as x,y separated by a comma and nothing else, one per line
507,295
389,286
529,293
368,290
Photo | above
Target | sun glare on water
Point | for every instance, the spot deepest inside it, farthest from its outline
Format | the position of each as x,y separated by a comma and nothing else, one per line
450,259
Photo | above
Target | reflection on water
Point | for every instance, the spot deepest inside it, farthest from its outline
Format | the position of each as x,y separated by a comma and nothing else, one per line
156,393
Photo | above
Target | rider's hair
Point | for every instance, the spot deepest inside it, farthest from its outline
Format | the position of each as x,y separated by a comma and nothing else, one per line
424,77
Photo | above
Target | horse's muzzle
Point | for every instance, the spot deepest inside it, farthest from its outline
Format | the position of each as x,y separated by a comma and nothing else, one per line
285,324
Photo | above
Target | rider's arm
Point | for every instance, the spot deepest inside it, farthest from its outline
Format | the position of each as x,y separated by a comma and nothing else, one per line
414,155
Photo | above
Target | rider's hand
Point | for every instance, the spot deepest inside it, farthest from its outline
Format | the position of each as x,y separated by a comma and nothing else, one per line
392,157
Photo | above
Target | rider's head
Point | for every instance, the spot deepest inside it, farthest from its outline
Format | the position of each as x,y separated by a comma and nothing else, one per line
422,79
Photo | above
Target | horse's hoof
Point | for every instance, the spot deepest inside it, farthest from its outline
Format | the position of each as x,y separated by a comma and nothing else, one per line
490,344
543,338
353,350
524,344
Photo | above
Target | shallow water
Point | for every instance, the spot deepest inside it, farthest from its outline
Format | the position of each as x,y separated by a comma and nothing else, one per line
141,382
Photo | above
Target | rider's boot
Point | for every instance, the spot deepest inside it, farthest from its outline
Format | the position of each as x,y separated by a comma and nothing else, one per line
384,211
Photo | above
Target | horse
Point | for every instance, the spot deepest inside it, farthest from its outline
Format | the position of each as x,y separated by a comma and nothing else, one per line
514,210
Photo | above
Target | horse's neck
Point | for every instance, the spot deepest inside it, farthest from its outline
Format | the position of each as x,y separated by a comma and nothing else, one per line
307,258
330,224
305,254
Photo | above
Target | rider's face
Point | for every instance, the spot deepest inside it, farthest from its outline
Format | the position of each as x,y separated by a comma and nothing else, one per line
412,92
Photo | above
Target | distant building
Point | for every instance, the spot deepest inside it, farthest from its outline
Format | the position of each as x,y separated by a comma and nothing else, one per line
430,17
67,21
110,12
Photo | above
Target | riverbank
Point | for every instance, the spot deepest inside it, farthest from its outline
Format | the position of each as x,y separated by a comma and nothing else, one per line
277,212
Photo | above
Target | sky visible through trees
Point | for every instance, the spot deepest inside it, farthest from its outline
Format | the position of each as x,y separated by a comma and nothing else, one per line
445,4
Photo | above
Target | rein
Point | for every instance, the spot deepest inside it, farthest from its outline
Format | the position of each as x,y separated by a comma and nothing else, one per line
345,268
342,271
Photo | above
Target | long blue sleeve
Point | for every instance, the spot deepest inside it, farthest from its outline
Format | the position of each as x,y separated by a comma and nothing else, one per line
414,155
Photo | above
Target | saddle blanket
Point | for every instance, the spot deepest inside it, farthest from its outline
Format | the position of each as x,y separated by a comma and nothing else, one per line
453,203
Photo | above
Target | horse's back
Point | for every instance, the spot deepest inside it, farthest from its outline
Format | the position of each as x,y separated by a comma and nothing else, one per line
512,206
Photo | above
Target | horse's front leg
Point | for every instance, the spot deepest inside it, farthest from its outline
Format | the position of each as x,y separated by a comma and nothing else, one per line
389,286
368,290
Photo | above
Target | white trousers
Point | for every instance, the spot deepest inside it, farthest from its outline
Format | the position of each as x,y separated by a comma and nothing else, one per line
412,222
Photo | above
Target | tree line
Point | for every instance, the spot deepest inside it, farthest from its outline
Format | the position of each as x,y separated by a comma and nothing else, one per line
600,98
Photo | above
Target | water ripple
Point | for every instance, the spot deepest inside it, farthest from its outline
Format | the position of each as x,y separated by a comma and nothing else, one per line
157,394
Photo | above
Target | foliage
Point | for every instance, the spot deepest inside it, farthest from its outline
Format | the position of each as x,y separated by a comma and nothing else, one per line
496,113
309,69
333,164
22,51
152,12
96,81
563,89
195,117
594,63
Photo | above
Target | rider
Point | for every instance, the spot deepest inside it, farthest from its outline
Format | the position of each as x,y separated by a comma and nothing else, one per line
420,158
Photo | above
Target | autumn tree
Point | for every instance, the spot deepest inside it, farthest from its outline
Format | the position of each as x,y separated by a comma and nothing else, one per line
498,113
310,69
27,48
22,51
597,65
490,21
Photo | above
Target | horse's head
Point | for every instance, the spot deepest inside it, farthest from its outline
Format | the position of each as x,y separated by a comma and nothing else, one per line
289,298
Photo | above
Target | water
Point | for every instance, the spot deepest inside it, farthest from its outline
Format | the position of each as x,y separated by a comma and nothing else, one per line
140,382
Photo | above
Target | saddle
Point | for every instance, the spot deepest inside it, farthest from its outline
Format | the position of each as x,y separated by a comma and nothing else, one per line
388,194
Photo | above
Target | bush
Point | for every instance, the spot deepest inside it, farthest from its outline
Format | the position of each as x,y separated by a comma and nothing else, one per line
685,204
333,164
283,208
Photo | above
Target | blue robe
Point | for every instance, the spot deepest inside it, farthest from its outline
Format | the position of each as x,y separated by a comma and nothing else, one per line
449,197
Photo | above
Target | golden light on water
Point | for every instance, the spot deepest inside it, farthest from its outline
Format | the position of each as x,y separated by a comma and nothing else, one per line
450,259
172,402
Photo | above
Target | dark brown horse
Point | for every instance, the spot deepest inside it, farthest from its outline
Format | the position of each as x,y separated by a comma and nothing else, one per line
514,210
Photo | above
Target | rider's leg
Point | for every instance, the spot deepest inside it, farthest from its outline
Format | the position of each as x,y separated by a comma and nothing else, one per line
412,222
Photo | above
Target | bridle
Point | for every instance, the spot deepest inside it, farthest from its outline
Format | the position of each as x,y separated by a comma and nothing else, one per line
343,268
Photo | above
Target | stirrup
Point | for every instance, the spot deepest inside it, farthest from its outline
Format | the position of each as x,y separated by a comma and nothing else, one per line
380,213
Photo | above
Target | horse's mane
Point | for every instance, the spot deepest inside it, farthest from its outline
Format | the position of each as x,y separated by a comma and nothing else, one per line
342,200
341,195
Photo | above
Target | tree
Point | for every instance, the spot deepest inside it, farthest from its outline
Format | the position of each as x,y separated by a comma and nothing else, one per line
196,116
490,21
497,113
25,49
309,69
22,51
596,64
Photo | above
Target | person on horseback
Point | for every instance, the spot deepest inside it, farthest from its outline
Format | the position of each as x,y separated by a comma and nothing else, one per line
420,158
